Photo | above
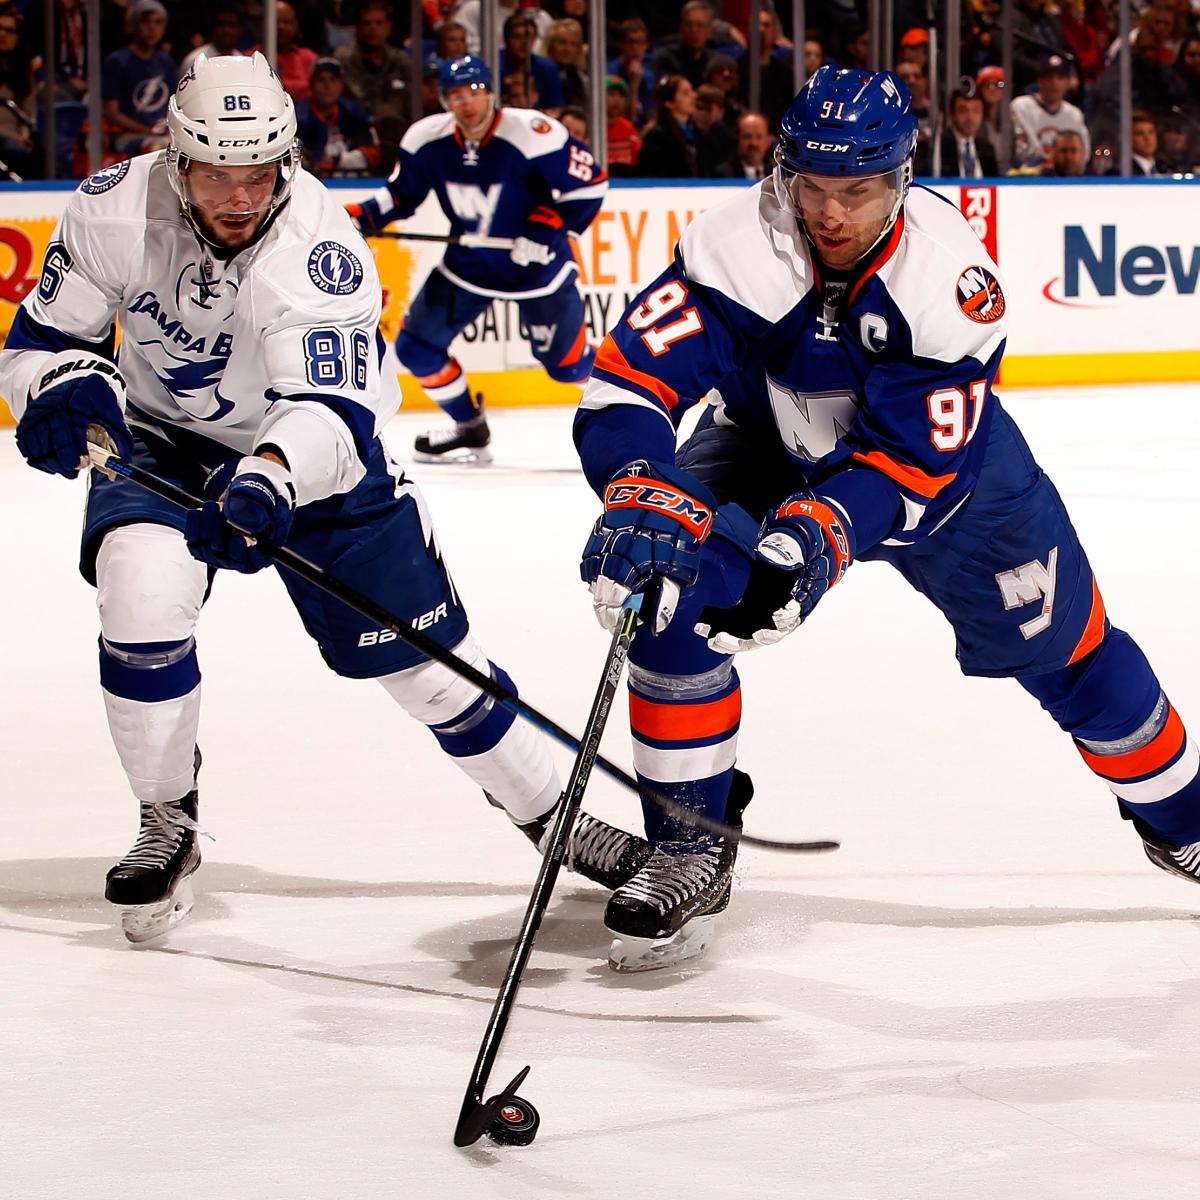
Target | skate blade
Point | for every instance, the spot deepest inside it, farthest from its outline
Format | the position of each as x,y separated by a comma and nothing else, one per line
457,458
628,954
145,922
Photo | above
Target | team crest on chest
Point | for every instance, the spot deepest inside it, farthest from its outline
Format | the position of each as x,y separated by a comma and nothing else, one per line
979,296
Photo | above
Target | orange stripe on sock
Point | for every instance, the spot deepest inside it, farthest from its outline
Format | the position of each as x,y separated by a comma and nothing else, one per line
577,348
610,359
681,722
1093,635
448,374
1144,761
912,478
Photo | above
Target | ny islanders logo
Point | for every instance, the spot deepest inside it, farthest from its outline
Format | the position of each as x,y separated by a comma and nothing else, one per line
333,269
979,296
106,180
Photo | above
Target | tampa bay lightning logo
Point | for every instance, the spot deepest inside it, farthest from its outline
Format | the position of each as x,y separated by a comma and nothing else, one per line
106,180
333,269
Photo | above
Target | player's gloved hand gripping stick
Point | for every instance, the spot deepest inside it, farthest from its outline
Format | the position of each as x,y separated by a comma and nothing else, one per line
103,460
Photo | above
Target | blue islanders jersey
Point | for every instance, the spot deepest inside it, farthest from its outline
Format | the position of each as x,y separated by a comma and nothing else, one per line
877,384
526,177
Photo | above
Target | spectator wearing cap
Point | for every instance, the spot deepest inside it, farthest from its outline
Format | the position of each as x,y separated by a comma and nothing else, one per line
624,141
226,28
989,85
966,152
138,81
338,135
914,47
1143,136
634,66
540,84
564,48
376,72
1037,119
716,146
691,50
1037,32
1069,158
431,90
669,145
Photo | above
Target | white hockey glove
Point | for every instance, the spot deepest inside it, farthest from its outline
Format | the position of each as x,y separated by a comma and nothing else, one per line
526,251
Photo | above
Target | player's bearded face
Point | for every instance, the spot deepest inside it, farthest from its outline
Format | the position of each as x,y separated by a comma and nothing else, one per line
844,216
230,202
472,108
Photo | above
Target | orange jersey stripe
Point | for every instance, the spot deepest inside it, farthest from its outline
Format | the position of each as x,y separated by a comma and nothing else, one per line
578,346
681,722
912,478
1093,635
1144,761
610,359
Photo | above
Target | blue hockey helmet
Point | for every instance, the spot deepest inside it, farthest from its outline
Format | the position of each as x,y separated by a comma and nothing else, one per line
468,71
848,122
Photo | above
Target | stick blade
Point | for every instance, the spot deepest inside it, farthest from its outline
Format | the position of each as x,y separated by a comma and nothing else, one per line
477,1115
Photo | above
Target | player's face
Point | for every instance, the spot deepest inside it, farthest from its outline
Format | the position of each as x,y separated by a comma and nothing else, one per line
844,217
231,203
472,108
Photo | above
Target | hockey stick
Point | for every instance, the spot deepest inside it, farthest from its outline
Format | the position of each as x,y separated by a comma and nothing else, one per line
478,1116
105,461
473,241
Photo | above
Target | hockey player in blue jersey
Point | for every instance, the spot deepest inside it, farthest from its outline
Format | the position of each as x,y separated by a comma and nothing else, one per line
249,369
512,173
851,326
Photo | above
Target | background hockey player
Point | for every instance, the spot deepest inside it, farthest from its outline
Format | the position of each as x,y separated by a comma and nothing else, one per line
249,369
853,329
517,174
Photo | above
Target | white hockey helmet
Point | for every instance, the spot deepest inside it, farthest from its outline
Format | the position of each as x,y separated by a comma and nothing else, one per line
232,112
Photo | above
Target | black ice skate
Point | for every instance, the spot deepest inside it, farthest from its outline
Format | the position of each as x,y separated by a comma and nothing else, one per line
152,883
1183,861
597,851
465,443
666,913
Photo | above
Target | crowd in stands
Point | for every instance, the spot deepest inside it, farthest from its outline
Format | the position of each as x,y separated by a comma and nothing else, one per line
676,86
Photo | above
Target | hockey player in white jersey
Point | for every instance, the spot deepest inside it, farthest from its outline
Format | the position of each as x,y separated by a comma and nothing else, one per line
249,370
513,174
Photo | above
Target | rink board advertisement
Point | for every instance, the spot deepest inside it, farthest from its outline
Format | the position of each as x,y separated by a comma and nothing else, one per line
1102,279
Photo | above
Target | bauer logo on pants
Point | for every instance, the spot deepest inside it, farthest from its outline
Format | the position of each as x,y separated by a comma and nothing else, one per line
333,269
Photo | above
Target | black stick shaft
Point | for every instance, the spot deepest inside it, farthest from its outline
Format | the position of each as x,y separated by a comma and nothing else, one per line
385,619
560,835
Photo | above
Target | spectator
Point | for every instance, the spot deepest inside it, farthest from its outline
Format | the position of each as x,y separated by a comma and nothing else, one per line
966,152
690,51
451,40
338,135
668,148
1069,158
814,57
376,72
225,30
468,14
71,39
1088,32
1144,138
16,87
723,72
634,66
338,24
1187,71
914,48
1037,32
716,147
564,48
431,92
1175,153
918,87
856,53
1156,88
776,88
1037,119
293,61
989,83
138,81
624,141
576,122
537,77
753,147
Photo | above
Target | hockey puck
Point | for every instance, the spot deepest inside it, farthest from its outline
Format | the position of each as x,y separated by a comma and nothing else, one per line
516,1124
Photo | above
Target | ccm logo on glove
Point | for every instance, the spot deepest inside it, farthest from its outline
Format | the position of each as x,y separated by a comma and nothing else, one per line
632,492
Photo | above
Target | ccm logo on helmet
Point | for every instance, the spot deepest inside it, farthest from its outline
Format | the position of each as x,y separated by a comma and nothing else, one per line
835,147
238,141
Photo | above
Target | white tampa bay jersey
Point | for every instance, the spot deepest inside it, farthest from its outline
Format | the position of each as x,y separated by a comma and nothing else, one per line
278,344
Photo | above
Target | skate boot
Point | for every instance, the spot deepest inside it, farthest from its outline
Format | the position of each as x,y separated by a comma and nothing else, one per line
152,884
465,443
596,850
666,914
1183,861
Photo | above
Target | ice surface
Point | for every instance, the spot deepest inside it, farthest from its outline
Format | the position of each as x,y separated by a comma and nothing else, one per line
987,993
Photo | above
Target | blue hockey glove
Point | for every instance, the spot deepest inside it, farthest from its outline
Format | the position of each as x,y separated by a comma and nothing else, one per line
250,496
655,520
803,549
75,389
